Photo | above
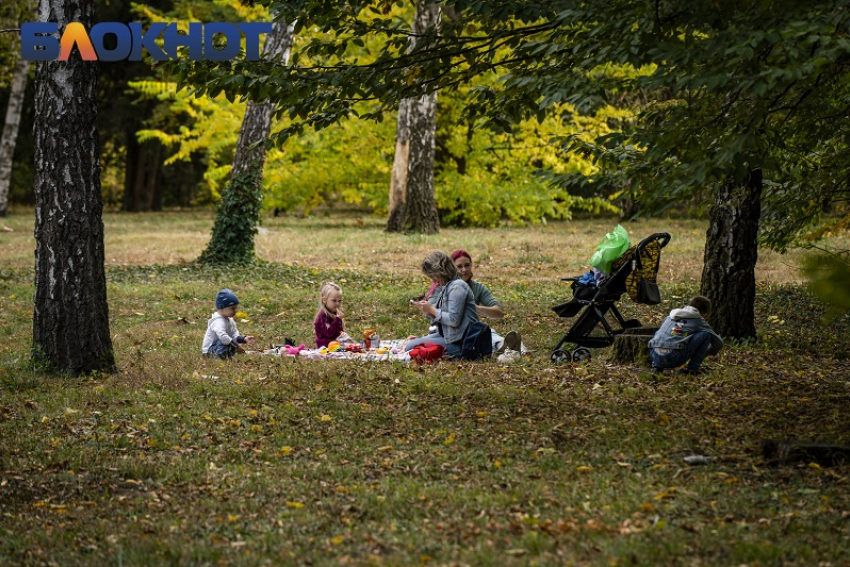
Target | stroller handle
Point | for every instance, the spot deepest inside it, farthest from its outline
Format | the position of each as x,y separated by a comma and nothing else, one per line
663,239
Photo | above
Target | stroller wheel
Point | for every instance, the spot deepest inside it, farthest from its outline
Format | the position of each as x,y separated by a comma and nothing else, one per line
580,354
560,356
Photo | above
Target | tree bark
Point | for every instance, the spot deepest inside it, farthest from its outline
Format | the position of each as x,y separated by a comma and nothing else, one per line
412,204
70,315
398,180
731,252
10,131
238,214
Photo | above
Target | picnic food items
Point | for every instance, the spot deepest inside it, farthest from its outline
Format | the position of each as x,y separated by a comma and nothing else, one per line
371,339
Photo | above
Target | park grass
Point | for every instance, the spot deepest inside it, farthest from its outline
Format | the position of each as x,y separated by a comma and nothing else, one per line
179,460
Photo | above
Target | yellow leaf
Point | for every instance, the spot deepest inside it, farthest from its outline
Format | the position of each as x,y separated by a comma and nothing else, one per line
584,468
814,466
285,451
256,428
295,505
326,417
449,440
242,315
336,540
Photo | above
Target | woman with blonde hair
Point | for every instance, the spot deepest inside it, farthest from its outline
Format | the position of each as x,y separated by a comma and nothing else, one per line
454,308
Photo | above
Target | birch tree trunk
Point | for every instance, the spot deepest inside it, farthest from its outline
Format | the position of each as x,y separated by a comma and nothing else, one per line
731,252
70,312
10,131
412,204
238,214
398,180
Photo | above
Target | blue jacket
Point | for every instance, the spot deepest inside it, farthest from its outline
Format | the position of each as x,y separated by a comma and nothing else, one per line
455,309
680,326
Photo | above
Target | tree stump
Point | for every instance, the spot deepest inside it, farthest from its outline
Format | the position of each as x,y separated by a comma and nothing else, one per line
630,346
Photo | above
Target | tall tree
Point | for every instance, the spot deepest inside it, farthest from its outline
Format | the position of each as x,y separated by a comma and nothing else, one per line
70,312
731,252
412,207
10,130
238,213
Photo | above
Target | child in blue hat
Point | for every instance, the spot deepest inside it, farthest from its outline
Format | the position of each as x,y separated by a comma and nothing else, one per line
222,339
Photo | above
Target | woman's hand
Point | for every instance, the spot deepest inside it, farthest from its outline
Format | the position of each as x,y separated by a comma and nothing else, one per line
425,307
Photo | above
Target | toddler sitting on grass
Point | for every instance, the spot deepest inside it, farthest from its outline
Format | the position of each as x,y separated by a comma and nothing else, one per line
222,339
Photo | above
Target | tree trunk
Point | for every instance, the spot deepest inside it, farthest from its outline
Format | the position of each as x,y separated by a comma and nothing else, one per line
731,252
238,214
10,131
70,315
412,204
398,181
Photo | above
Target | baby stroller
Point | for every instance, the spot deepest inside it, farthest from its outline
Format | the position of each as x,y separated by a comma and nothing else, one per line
634,273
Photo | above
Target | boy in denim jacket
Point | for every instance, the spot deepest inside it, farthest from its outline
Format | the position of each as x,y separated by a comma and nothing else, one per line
685,338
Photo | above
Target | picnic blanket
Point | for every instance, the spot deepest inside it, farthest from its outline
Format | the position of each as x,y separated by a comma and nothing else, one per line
394,353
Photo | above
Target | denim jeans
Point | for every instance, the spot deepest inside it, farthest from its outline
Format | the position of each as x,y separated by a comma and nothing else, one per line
222,351
695,351
452,349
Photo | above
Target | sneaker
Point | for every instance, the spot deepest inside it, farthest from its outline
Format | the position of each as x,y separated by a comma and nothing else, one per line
509,356
513,341
657,370
691,372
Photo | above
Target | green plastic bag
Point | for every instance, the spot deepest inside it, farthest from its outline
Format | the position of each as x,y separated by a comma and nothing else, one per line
612,247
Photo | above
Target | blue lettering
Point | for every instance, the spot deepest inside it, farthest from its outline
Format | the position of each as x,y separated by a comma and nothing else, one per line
147,40
124,41
194,40
252,31
231,35
39,41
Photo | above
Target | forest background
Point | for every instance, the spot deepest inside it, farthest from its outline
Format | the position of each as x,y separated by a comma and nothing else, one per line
161,147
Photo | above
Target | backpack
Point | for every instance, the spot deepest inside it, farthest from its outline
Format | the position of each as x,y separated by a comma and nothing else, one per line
427,352
477,342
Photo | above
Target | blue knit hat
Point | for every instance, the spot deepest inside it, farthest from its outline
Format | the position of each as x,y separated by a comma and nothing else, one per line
225,298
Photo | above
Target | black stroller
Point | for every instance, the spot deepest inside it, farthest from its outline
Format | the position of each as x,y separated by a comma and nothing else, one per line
634,273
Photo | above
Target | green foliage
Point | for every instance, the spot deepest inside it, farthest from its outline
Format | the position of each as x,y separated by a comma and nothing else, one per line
482,177
829,279
233,233
722,87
